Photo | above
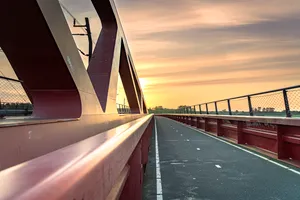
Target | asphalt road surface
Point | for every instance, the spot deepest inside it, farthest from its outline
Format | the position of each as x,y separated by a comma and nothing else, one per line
192,165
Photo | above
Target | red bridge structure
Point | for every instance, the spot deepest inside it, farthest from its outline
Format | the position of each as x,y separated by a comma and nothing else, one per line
76,146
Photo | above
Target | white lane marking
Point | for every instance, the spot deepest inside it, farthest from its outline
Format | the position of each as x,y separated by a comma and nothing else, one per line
159,195
177,163
198,149
245,150
187,140
218,166
180,134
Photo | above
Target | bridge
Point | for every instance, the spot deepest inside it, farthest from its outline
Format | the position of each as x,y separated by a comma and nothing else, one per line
68,139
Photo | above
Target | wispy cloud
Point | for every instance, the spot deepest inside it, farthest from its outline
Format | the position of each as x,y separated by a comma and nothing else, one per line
183,46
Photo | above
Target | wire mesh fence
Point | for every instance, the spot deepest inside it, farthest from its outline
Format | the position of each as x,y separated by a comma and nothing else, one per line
294,101
284,102
239,106
15,102
13,98
203,109
123,109
223,108
211,108
271,104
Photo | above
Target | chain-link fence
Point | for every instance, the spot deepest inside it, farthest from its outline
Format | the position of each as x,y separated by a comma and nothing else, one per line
239,106
270,104
123,109
13,98
222,107
15,102
284,102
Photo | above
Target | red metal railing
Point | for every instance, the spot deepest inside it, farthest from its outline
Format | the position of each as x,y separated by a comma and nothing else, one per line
106,166
278,137
75,146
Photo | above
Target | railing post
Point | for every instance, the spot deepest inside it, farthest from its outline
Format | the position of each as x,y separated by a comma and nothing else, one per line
250,106
229,107
286,103
195,109
219,127
281,154
206,108
205,124
200,109
216,107
240,139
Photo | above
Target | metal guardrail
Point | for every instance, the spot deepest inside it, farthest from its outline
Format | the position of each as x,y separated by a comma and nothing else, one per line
104,166
279,102
276,136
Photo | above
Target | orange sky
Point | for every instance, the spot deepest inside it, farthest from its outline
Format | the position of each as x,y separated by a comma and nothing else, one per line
191,51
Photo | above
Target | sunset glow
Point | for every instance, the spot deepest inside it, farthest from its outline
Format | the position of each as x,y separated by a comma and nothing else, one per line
189,52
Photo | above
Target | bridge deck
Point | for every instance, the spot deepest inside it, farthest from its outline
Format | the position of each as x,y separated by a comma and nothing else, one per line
194,165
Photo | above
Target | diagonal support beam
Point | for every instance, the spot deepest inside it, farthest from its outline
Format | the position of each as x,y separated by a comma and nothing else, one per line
43,54
108,56
128,82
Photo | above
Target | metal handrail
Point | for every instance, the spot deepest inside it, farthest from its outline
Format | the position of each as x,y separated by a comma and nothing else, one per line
254,94
83,166
228,100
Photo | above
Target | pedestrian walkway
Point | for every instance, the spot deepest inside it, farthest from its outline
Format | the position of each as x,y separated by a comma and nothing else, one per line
189,164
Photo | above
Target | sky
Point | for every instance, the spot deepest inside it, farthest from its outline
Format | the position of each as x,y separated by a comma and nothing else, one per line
192,51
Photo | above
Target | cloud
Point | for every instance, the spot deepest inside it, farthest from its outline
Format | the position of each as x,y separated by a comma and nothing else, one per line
220,45
222,81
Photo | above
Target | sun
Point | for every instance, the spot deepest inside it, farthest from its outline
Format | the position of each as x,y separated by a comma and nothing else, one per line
143,83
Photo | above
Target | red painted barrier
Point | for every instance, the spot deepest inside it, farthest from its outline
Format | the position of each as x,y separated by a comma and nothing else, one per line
105,166
271,135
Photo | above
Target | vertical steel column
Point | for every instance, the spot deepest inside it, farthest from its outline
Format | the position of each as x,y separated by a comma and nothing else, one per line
250,106
229,107
195,109
200,109
216,107
206,108
89,35
286,104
